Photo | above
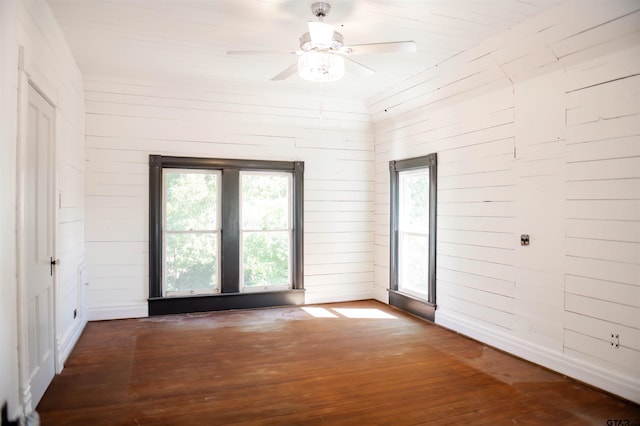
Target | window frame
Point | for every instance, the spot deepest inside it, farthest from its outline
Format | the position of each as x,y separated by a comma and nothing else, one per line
410,301
230,296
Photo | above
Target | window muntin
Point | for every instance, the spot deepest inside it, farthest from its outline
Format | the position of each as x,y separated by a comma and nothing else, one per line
191,237
413,232
265,230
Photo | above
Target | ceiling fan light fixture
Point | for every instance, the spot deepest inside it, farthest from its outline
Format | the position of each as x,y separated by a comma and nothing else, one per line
321,33
320,66
322,51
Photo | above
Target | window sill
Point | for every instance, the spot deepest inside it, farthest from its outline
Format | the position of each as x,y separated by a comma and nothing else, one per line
223,301
412,304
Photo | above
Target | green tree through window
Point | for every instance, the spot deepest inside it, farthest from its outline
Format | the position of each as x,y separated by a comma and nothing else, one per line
413,232
229,231
266,229
191,232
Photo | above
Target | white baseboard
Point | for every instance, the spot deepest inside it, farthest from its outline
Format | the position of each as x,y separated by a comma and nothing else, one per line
578,369
66,344
109,312
381,294
315,295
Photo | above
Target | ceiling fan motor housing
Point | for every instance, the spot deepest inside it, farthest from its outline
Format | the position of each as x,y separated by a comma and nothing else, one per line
307,46
320,9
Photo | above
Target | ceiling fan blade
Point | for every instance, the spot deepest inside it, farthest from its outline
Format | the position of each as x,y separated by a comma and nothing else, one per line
390,47
260,52
359,69
286,73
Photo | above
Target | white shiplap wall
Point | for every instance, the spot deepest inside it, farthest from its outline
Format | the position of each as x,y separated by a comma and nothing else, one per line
9,386
128,120
29,27
49,64
537,132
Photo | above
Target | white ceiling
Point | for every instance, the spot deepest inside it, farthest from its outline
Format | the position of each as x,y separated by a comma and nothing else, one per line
187,40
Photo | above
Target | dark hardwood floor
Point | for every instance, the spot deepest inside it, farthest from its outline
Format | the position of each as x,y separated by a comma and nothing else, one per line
285,366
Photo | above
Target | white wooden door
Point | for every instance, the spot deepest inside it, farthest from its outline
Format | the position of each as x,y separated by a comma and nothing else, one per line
39,244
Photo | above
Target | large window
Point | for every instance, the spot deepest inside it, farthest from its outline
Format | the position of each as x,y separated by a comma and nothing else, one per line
413,217
224,234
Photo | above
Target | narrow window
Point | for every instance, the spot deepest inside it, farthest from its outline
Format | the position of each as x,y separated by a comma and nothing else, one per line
413,232
413,240
266,231
191,243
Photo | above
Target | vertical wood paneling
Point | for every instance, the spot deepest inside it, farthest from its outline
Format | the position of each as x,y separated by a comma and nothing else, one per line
537,132
127,121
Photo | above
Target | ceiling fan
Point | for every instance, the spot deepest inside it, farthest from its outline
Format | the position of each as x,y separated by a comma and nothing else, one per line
322,52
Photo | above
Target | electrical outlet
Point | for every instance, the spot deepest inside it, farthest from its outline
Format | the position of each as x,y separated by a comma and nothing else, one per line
615,340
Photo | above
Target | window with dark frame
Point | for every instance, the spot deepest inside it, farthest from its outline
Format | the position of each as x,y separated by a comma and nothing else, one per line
412,266
224,234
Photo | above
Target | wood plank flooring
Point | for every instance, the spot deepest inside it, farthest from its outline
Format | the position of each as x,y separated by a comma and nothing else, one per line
359,363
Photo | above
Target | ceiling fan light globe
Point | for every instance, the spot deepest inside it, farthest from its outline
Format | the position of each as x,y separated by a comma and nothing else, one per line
320,66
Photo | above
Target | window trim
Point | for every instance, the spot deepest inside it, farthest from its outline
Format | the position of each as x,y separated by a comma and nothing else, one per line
409,302
230,296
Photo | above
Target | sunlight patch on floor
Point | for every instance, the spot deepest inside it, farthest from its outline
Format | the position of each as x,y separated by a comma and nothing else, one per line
319,312
360,313
363,313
